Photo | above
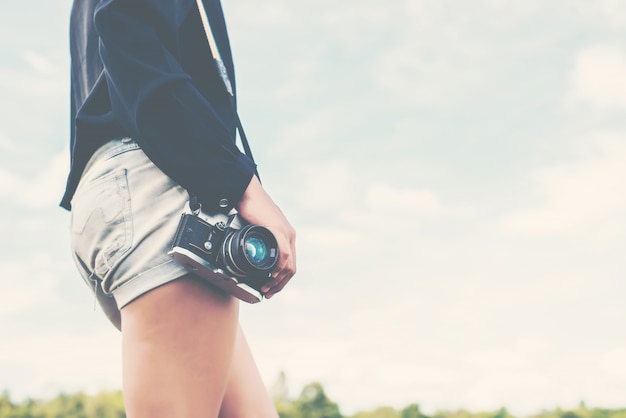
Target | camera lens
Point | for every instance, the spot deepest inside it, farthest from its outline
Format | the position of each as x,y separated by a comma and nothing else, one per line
256,250
250,251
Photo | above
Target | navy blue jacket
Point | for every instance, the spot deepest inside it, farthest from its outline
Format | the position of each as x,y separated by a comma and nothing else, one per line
143,69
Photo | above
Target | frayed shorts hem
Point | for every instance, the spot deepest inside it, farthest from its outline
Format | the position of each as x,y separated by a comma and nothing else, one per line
147,281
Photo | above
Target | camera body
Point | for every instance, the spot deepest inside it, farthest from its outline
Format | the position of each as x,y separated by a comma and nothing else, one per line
226,251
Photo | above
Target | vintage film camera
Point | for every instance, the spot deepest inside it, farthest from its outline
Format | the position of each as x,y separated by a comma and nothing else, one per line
228,252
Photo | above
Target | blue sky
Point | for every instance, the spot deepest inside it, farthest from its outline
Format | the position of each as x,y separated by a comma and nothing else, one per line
455,171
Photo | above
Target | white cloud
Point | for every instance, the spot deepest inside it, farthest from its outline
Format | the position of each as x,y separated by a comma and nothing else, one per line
607,14
444,52
599,76
275,14
510,389
44,189
22,297
31,285
386,198
498,359
383,207
302,78
613,362
34,91
344,14
577,194
309,136
46,82
325,237
402,374
356,27
7,144
326,185
8,183
45,366
40,63
418,72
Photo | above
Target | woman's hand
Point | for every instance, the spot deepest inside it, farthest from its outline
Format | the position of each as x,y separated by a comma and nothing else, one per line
257,207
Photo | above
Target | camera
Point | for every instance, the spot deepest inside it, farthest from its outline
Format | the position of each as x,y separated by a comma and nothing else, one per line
228,252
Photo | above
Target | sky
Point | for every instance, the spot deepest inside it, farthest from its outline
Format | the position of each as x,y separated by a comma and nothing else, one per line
455,171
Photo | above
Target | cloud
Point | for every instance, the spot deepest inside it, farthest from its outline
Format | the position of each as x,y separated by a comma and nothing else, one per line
35,87
356,27
384,197
39,367
8,183
445,52
386,208
599,76
7,145
32,287
497,389
40,63
326,185
329,238
44,189
302,78
22,297
498,359
607,14
577,194
313,133
613,362
253,18
420,73
45,78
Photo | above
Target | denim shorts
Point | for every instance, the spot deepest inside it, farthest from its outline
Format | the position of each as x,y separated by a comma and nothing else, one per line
124,217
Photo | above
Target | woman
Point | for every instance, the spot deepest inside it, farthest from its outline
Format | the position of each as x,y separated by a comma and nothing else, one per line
151,123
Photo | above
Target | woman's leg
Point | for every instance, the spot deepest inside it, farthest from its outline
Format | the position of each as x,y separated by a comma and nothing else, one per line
246,396
178,344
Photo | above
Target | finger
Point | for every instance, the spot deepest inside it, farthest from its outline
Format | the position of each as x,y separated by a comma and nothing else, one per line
280,279
284,274
276,289
277,279
284,271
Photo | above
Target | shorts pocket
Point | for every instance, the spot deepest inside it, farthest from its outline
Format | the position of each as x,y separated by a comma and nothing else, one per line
101,222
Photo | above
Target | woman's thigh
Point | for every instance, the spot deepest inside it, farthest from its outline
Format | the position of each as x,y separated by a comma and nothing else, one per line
178,344
246,395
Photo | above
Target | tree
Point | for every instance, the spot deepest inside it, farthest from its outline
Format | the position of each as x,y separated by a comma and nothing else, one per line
313,403
279,390
381,412
280,395
412,411
106,405
501,413
6,406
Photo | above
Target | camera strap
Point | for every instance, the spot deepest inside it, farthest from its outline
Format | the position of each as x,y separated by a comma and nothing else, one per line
221,69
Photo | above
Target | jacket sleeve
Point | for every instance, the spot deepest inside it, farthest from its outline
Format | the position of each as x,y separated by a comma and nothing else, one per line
157,103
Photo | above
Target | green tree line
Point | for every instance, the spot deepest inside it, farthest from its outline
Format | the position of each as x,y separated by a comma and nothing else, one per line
312,402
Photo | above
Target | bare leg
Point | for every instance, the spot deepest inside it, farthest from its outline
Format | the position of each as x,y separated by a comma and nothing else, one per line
245,395
178,343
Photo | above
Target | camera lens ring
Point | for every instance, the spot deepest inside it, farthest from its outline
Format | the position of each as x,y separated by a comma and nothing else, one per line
241,247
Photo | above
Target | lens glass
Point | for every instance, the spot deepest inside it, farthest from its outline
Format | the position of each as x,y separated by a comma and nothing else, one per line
249,251
256,250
